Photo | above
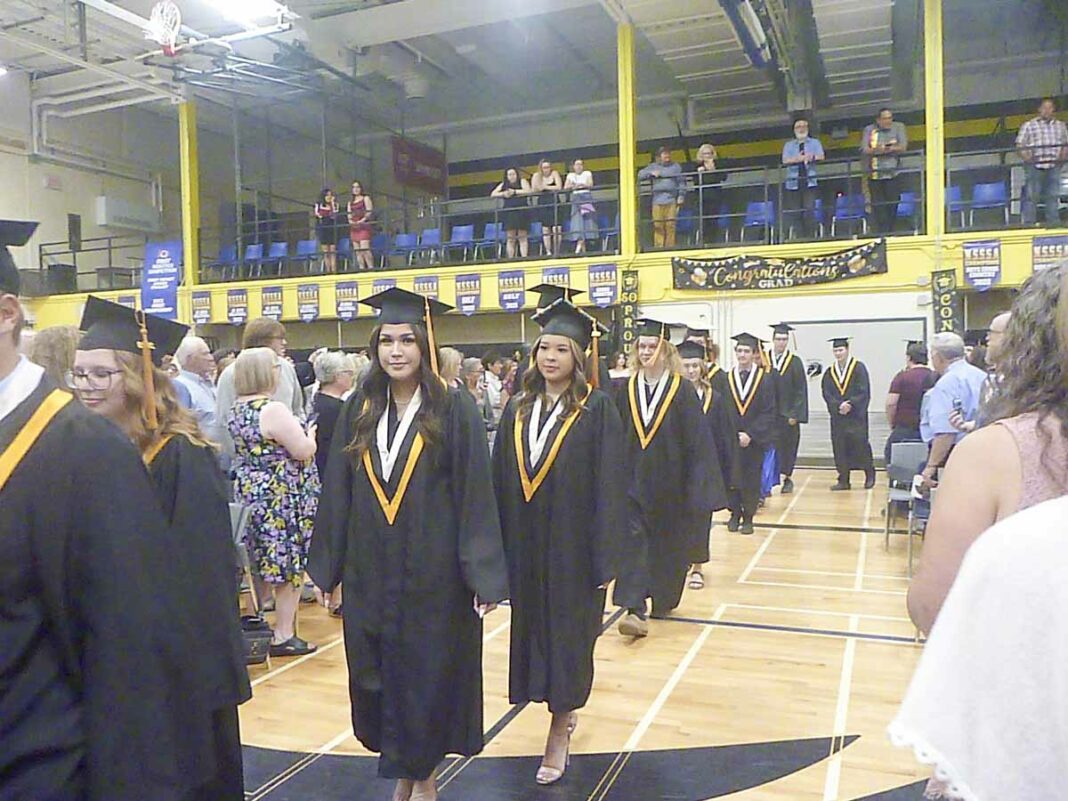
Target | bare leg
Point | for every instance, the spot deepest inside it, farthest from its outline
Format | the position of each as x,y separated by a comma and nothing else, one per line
557,748
558,238
509,247
547,242
524,243
287,598
580,245
403,790
425,790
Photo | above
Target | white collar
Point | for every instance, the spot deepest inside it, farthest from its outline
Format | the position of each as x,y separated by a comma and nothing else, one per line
649,406
841,371
743,391
777,361
537,441
18,386
388,455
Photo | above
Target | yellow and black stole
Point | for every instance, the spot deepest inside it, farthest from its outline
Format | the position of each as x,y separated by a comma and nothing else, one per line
28,435
646,434
743,401
532,475
841,381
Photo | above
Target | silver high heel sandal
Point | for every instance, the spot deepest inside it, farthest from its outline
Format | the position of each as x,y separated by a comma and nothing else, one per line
546,773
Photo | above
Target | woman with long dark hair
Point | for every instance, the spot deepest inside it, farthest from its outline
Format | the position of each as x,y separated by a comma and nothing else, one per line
557,471
515,213
408,520
326,212
112,378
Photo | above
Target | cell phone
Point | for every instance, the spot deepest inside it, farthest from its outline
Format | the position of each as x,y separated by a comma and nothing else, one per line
958,406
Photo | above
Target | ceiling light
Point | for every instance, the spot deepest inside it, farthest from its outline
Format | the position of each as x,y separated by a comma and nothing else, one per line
3,70
248,11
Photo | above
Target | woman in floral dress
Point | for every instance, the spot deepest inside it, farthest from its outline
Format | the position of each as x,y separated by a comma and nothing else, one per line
275,477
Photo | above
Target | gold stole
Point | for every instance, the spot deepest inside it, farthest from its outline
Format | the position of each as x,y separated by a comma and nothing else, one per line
15,452
391,506
744,407
633,390
150,455
844,384
532,486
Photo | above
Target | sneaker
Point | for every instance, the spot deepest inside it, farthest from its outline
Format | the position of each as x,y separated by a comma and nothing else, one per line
787,486
633,626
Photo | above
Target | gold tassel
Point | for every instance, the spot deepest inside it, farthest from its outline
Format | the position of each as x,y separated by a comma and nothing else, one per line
595,357
148,404
431,341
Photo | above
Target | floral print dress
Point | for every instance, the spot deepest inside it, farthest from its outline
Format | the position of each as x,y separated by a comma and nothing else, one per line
282,495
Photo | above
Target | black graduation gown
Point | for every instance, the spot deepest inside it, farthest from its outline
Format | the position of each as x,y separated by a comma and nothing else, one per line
757,416
725,457
670,486
849,433
792,393
717,377
93,651
412,638
192,494
561,546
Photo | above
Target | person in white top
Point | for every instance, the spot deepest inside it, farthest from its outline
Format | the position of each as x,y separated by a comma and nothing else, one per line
583,220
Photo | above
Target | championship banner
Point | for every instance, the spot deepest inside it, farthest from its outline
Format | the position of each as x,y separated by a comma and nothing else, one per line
271,302
129,301
469,293
628,310
511,287
381,285
159,278
758,272
427,286
982,263
1048,251
201,307
948,309
346,297
308,302
557,276
419,166
237,306
602,284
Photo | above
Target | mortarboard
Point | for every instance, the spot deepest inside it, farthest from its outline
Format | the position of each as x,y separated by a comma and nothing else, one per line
839,342
654,328
782,328
550,293
16,234
399,306
116,327
696,332
747,339
974,337
565,319
692,350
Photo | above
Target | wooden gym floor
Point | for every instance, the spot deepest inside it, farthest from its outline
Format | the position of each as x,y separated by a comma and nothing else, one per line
774,682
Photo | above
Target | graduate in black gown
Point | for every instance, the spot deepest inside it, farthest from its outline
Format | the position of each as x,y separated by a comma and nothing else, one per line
110,377
792,392
847,393
90,705
754,408
557,466
669,454
408,519
717,417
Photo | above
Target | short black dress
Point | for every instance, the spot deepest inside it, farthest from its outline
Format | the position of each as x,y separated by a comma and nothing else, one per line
515,216
326,224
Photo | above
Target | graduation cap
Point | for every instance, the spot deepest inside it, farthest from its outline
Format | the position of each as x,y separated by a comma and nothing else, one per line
782,328
548,294
399,306
15,234
747,339
974,337
839,342
564,318
692,350
116,327
654,328
696,332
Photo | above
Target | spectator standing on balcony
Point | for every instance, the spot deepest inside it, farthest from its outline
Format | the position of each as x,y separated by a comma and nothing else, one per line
1043,145
799,189
583,220
326,228
669,193
360,211
545,184
882,143
709,192
516,213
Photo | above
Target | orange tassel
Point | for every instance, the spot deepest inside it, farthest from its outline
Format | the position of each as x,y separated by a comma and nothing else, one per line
431,341
148,404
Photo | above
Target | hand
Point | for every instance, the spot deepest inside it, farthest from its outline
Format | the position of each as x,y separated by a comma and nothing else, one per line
845,407
956,419
744,439
312,429
655,173
929,475
680,201
482,609
791,421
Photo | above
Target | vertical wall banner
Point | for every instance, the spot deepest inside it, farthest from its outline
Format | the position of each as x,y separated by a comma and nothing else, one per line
948,308
201,307
271,302
628,309
237,306
160,277
418,165
982,263
381,285
1048,251
603,284
427,286
347,297
129,301
511,287
308,302
557,276
469,293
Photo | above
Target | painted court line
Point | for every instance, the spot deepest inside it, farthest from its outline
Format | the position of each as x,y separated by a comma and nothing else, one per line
297,662
862,558
794,585
802,630
802,611
841,716
771,535
841,573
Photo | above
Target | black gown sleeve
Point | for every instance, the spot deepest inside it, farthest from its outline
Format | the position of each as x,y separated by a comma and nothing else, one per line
762,419
326,558
704,478
795,392
725,434
860,390
481,546
610,513
830,396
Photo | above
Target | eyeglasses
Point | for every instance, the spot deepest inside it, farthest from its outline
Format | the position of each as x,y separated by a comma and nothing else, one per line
99,378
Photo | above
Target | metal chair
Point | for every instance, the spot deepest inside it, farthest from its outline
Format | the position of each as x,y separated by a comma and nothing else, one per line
608,234
277,256
905,461
849,208
989,196
461,237
759,214
380,249
307,252
907,207
534,236
429,244
405,245
227,260
492,236
344,253
955,203
253,257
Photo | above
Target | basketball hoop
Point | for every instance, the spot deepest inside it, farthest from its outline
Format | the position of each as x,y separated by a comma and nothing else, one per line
164,24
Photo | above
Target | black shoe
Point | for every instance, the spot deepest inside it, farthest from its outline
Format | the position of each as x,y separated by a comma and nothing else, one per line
869,481
747,526
840,487
760,503
294,646
787,486
733,523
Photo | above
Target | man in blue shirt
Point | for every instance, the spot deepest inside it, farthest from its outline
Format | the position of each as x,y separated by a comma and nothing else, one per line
958,389
799,156
197,378
669,193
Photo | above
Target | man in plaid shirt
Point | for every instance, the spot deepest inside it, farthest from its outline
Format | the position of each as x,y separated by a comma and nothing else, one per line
1043,145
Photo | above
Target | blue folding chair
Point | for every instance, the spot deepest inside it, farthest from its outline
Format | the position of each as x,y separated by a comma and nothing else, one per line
276,258
405,245
537,231
429,244
380,249
227,260
908,208
492,236
849,208
252,260
610,233
461,237
759,214
955,203
344,253
989,196
685,225
307,252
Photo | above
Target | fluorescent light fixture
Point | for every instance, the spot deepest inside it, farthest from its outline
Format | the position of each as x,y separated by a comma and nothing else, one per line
249,11
3,70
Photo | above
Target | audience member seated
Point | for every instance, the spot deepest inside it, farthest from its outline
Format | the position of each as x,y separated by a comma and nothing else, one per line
799,188
882,143
546,186
515,215
579,183
1015,463
669,193
1043,145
